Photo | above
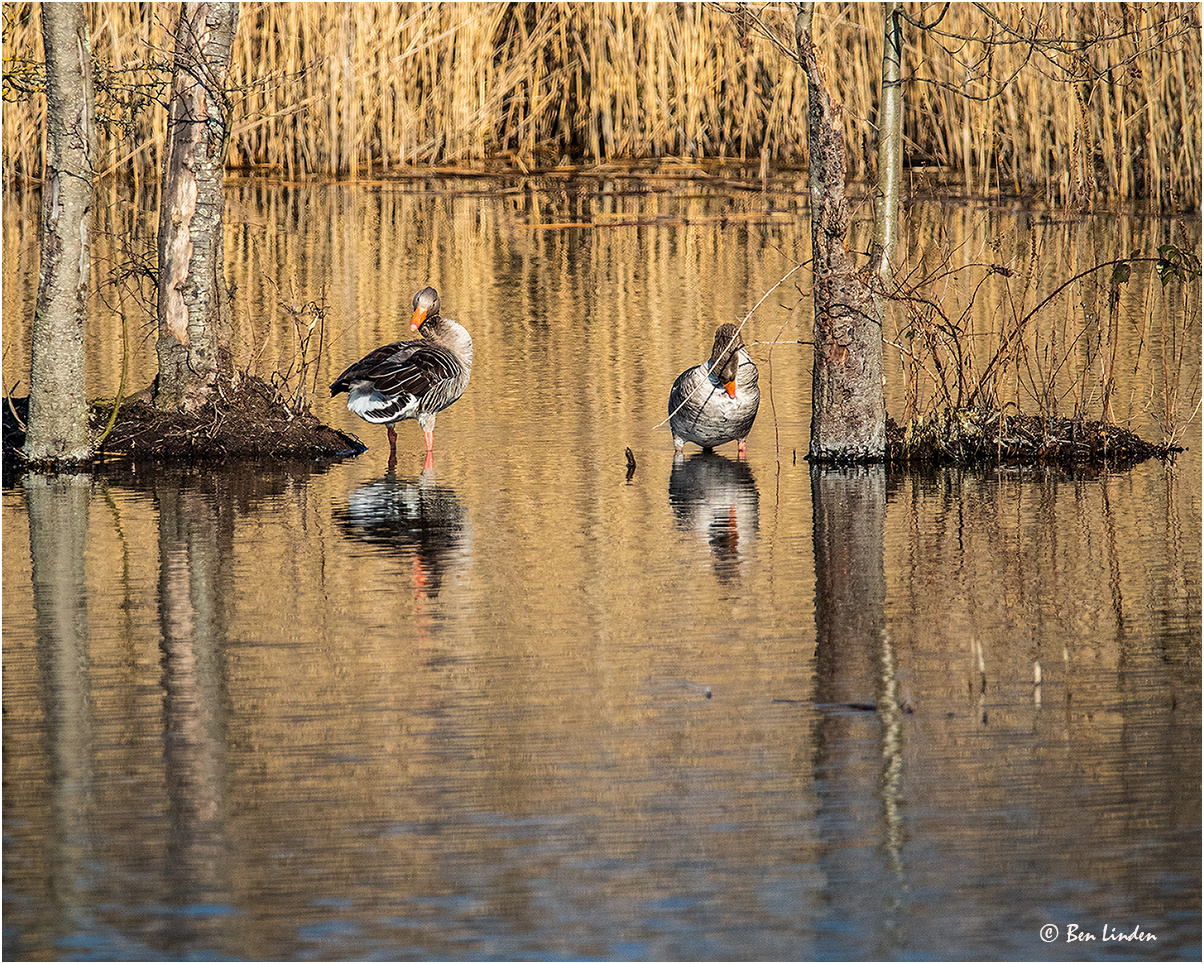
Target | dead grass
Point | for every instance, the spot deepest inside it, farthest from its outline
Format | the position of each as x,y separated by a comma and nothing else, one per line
1108,106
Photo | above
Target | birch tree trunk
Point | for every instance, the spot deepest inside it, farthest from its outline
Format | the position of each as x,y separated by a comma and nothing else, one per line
57,430
848,415
890,147
193,311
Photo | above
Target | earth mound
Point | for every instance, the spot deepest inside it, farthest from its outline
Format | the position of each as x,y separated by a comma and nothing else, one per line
966,436
248,421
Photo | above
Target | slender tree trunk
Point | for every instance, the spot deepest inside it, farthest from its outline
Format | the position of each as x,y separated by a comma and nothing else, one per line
848,420
890,146
194,314
58,400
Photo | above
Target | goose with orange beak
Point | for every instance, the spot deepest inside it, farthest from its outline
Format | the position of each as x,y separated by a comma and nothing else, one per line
411,379
716,402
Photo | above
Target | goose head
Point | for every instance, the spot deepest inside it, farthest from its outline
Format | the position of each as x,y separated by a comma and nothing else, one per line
725,356
426,308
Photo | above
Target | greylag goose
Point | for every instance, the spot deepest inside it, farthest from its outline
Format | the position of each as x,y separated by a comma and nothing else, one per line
716,402
411,379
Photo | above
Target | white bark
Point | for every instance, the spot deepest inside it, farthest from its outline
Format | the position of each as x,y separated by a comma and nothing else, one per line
194,329
58,403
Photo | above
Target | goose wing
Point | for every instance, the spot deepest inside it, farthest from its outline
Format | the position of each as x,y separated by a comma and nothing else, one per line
414,368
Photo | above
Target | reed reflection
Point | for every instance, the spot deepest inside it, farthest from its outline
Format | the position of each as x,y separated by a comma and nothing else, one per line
717,500
420,520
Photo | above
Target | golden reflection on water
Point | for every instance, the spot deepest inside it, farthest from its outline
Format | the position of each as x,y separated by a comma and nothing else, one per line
522,704
623,269
430,722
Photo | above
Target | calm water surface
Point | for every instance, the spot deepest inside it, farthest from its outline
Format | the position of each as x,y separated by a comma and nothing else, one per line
521,705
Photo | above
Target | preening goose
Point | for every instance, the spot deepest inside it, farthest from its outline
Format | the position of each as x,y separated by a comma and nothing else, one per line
411,379
716,402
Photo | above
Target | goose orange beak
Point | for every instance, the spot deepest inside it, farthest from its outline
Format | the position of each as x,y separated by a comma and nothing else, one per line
418,319
731,388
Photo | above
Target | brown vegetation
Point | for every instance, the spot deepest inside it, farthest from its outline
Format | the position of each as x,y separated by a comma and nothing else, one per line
247,421
1054,355
968,437
1063,102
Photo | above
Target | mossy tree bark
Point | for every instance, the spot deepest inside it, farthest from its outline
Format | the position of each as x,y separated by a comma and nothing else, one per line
57,430
193,310
848,420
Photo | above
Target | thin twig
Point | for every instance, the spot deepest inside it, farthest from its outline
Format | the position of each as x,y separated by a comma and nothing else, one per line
125,365
8,397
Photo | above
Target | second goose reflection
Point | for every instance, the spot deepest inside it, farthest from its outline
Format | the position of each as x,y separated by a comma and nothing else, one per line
420,521
716,499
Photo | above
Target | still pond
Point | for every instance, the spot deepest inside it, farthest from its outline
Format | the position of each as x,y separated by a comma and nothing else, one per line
524,704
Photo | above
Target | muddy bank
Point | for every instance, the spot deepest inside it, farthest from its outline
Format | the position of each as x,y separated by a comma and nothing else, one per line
244,423
966,437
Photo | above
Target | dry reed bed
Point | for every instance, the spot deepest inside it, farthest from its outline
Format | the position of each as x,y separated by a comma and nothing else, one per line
339,89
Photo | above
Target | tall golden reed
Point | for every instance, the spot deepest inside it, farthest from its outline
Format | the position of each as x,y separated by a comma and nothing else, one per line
1112,110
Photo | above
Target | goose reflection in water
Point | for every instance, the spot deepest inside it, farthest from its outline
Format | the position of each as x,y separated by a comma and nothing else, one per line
420,520
717,499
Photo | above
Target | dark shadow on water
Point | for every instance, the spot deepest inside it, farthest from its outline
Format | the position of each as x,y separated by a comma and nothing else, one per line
717,500
58,524
196,525
196,542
